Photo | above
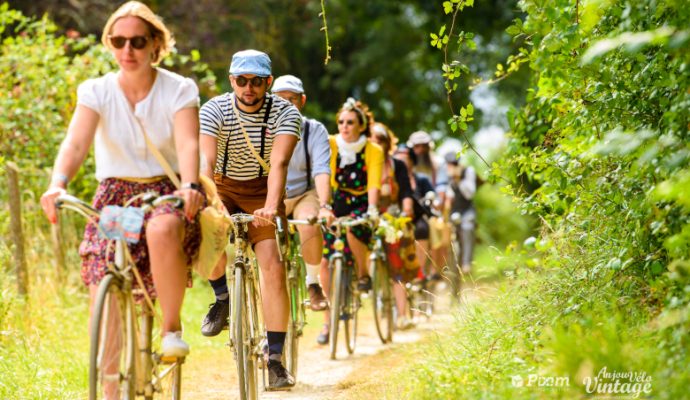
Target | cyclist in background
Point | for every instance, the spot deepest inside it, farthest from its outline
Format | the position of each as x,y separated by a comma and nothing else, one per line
461,190
110,110
396,193
248,137
308,187
421,185
356,166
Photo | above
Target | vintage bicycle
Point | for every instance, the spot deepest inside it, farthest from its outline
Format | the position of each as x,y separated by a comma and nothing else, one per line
124,359
297,289
247,333
382,292
345,297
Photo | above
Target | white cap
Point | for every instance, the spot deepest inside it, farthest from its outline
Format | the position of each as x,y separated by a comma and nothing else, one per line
287,83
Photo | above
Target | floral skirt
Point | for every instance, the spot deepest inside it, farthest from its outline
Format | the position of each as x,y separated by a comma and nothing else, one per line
94,249
402,256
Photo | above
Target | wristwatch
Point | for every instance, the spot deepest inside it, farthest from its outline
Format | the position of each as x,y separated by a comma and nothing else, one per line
191,185
326,206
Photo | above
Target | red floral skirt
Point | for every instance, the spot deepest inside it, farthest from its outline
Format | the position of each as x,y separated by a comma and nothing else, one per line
93,248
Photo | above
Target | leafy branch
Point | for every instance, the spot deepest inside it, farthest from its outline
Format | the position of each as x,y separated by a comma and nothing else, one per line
324,28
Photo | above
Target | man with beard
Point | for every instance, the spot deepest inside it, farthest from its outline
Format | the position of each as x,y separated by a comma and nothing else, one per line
247,139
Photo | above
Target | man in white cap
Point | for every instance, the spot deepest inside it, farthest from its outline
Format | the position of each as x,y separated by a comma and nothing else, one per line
308,188
251,178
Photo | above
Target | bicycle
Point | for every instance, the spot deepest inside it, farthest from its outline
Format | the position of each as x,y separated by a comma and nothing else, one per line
297,289
121,331
247,333
382,293
345,297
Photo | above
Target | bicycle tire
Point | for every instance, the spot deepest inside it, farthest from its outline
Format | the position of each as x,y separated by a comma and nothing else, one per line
382,302
352,305
336,303
291,352
246,373
112,325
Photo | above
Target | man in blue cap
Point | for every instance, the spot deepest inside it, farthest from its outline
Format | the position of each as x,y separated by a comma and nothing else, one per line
247,139
308,187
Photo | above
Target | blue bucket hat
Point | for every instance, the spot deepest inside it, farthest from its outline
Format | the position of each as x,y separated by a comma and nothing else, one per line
250,62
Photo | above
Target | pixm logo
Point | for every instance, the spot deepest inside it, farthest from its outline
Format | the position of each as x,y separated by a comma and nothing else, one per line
540,381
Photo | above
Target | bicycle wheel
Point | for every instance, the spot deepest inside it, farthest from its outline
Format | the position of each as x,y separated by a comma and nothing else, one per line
296,296
382,300
352,305
337,302
240,338
111,358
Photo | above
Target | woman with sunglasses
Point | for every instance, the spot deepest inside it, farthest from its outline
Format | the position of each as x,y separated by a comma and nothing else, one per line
114,112
356,165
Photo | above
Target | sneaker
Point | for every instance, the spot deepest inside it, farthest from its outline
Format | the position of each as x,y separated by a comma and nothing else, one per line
173,345
322,339
364,283
404,324
278,377
317,301
216,319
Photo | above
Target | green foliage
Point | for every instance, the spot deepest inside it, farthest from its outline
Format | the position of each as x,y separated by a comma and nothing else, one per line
599,153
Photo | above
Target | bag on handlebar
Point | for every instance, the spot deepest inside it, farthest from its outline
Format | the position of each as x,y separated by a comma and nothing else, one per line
214,218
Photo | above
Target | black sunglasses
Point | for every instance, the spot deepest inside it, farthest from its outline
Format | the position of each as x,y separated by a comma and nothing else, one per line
256,81
137,42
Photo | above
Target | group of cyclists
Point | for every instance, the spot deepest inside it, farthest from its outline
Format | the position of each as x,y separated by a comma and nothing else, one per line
266,159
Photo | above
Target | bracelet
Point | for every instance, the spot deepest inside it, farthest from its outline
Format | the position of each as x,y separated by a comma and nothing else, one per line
191,185
326,206
62,178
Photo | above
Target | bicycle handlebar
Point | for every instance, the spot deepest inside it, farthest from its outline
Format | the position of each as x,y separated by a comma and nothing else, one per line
67,201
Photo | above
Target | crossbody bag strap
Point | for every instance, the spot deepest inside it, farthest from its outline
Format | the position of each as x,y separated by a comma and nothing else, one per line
264,127
261,161
156,153
306,152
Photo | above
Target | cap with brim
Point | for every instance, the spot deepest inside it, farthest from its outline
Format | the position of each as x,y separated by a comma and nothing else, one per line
288,83
250,62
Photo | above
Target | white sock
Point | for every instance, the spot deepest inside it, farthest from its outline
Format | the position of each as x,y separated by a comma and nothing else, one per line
313,273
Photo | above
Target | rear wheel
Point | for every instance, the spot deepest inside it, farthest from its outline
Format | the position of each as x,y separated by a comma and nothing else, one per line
382,300
112,354
337,297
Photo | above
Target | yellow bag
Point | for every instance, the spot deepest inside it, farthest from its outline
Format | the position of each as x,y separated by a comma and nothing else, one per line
436,232
215,229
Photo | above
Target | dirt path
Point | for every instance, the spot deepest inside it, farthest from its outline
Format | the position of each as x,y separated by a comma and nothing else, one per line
211,373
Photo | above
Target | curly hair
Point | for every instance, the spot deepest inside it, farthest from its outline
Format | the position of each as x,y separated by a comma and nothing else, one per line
364,115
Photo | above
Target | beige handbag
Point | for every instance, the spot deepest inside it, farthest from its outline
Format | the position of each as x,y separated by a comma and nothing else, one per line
214,218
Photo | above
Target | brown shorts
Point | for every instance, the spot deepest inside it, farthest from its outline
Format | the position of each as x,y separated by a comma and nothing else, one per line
303,206
247,196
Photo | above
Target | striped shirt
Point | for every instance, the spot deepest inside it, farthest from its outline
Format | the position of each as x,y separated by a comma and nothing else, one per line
234,159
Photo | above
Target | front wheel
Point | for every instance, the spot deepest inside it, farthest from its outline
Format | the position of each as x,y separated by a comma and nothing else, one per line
382,300
337,297
240,338
112,354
